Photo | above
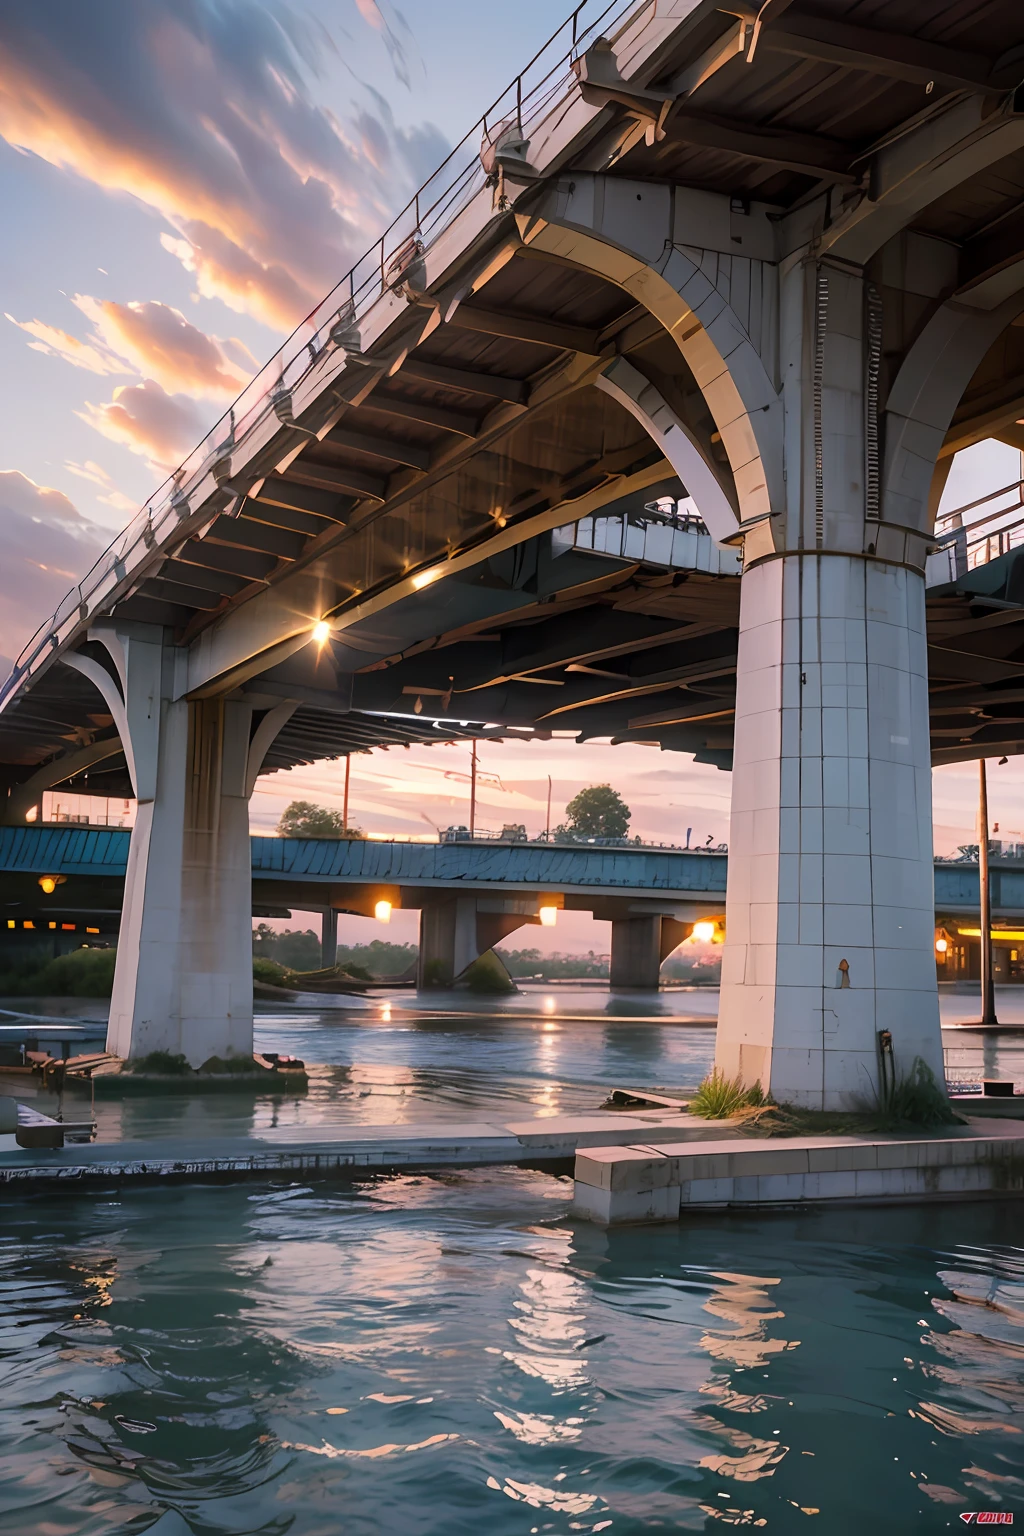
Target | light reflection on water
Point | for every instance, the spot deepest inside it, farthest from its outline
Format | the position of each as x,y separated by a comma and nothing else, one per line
427,1067
452,1057
449,1354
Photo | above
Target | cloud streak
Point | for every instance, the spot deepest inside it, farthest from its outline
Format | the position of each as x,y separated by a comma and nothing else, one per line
48,546
203,112
161,428
161,344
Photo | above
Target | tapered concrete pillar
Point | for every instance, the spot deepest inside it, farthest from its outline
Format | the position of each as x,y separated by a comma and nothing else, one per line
329,938
829,916
456,931
183,974
636,952
183,978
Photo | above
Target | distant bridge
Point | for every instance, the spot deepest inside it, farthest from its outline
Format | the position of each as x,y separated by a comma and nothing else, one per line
470,894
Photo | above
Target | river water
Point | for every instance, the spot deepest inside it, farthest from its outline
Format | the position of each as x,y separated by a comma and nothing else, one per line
449,1058
440,1355
452,1354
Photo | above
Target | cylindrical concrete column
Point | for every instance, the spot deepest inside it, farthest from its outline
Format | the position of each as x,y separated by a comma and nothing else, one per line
830,913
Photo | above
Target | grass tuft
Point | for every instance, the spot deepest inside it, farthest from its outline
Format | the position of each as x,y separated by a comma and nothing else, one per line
915,1099
720,1097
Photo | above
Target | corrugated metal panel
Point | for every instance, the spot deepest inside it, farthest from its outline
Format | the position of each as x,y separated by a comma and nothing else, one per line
505,864
64,850
104,851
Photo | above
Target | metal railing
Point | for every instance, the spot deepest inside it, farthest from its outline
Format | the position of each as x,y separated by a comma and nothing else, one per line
544,82
977,541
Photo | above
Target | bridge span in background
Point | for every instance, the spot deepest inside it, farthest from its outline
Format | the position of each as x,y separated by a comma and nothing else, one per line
635,422
470,895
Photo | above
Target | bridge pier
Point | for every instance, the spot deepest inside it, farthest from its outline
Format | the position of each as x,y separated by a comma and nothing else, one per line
183,974
457,930
829,910
329,938
639,946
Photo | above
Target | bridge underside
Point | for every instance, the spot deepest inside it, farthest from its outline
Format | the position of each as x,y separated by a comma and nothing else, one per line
774,262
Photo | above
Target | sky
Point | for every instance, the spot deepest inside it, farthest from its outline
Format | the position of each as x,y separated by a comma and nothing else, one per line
182,180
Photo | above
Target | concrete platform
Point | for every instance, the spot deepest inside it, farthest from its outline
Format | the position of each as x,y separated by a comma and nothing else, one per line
325,1149
657,1183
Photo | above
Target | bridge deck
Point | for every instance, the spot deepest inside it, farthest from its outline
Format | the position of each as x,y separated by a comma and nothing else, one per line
103,852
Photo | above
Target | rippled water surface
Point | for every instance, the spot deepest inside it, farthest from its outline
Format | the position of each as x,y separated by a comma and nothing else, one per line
544,1052
449,1355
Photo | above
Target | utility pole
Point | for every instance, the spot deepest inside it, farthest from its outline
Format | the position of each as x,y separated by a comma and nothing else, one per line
472,792
547,824
348,775
988,1000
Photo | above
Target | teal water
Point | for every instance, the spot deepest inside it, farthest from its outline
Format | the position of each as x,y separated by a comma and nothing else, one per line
448,1355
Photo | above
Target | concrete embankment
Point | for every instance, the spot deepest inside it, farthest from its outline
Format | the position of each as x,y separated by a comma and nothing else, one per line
646,1183
322,1150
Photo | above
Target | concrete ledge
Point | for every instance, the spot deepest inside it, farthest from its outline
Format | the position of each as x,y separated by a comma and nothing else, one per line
322,1148
645,1183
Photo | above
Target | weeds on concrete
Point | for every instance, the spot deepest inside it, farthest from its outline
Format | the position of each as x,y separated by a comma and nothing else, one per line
723,1098
160,1064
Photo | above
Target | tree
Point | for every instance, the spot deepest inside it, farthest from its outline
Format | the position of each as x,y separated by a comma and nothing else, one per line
304,819
598,811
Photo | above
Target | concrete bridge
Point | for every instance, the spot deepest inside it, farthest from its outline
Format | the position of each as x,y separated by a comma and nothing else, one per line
636,422
469,895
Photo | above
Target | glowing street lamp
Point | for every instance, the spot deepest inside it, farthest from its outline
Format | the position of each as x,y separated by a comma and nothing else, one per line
382,911
548,916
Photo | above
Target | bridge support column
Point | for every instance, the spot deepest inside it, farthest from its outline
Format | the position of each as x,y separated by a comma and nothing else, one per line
183,978
329,938
636,952
457,931
183,975
829,913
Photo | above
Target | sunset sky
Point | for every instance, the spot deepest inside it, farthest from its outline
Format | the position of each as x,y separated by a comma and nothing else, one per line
182,181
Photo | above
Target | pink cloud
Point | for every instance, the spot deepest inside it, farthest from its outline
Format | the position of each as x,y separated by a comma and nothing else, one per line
203,112
161,428
57,343
48,546
94,473
162,345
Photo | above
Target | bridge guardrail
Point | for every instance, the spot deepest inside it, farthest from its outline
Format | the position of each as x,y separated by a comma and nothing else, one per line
333,324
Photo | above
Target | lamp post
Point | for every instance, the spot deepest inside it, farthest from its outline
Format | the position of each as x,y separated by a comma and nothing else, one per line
988,1002
472,793
547,823
344,804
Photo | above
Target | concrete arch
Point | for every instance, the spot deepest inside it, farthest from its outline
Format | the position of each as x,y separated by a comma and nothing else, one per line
593,223
627,385
925,393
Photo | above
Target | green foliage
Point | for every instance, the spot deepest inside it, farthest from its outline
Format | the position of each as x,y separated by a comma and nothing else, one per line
487,975
522,964
160,1064
598,811
269,972
298,950
720,1097
915,1099
305,819
81,973
436,974
356,971
230,1066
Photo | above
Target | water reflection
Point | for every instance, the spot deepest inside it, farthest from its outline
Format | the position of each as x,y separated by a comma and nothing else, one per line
447,1354
406,1069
